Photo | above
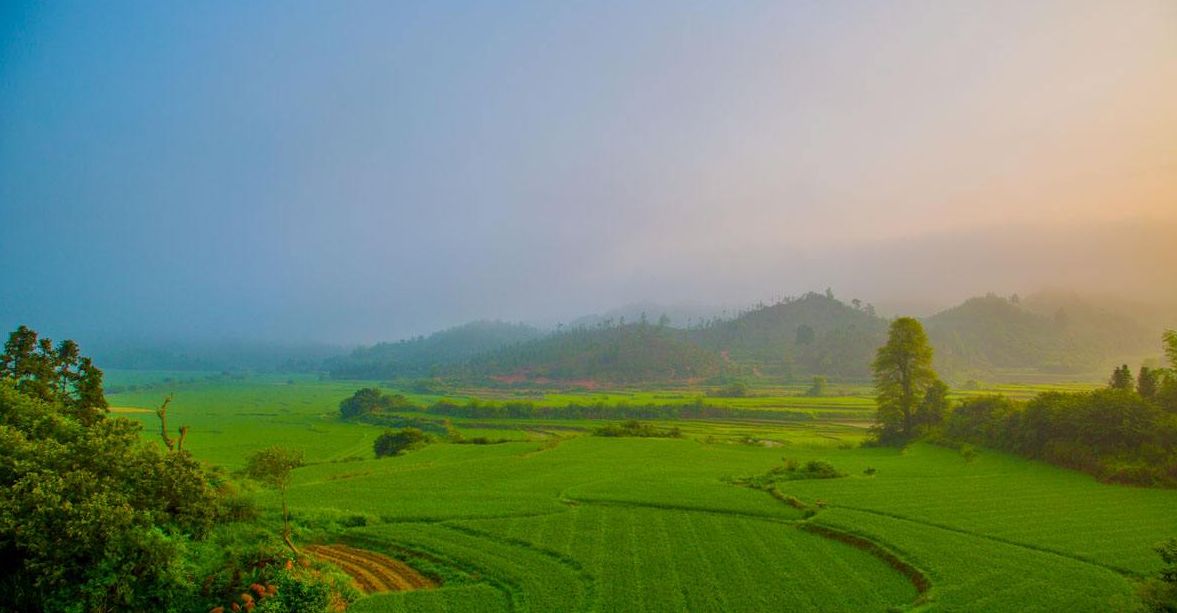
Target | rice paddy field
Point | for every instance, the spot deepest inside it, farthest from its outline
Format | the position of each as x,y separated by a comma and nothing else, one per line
554,519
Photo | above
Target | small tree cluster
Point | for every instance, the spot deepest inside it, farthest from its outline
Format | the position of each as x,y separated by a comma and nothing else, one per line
397,442
369,400
54,373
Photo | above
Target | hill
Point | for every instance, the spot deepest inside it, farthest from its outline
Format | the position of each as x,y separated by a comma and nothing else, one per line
815,334
428,355
810,335
1044,334
627,353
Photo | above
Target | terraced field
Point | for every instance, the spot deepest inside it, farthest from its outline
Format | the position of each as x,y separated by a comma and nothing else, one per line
560,521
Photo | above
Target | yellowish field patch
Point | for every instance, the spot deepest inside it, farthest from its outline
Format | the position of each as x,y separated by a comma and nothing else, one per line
129,410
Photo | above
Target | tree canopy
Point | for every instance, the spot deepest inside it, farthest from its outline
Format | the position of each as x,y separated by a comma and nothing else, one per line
904,379
92,517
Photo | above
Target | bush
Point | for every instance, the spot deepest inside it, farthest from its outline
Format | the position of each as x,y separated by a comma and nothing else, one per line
392,443
735,389
634,428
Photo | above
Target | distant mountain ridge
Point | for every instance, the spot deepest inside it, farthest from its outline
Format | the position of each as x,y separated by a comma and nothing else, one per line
426,356
814,334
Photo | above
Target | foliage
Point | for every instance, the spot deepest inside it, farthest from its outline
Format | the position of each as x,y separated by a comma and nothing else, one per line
908,392
735,389
273,465
791,470
1114,434
91,516
1121,379
1160,593
56,374
818,388
245,568
694,409
634,428
397,442
369,401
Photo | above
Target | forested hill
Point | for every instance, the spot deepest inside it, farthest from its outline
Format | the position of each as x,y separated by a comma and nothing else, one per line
815,334
628,353
430,355
1059,336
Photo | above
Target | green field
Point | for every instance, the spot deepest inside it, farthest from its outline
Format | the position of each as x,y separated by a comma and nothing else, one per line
556,520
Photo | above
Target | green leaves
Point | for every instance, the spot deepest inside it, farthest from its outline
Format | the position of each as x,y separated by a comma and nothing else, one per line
903,376
272,465
91,516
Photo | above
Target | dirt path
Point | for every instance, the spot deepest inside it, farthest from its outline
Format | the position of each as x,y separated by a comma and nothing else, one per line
372,571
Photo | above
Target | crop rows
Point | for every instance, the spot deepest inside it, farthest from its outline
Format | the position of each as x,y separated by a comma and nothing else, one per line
374,572
531,580
647,559
971,573
1010,499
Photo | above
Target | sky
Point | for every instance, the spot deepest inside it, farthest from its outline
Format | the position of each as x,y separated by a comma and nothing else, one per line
360,171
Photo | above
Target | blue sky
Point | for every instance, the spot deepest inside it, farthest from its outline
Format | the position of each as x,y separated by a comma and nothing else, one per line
367,170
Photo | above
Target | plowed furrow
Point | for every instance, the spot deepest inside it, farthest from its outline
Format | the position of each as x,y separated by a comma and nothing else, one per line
372,571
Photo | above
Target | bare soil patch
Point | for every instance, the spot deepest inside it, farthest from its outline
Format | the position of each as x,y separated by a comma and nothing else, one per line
372,571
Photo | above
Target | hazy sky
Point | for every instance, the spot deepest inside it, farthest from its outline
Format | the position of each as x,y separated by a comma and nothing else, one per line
356,171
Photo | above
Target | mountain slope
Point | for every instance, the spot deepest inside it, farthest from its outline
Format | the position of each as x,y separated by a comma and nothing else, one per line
990,332
629,353
814,334
425,356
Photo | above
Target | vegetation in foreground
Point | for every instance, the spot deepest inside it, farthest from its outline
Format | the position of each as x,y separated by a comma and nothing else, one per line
554,520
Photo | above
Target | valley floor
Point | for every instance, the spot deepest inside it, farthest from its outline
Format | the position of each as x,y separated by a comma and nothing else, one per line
555,520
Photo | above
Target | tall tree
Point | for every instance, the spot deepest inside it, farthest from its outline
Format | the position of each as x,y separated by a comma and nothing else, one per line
1122,379
1170,339
903,376
1146,382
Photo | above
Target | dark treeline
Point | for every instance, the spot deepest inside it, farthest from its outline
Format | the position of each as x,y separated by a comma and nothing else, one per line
1124,433
601,410
1118,434
374,406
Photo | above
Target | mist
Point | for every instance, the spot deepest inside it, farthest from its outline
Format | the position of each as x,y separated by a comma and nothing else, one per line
310,172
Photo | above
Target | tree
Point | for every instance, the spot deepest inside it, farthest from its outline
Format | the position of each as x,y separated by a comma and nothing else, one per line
396,442
1146,382
818,388
273,466
1122,379
805,335
902,374
1170,340
1160,593
92,517
934,406
54,374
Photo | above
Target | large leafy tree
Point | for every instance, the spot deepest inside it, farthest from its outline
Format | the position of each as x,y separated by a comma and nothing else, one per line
91,516
905,382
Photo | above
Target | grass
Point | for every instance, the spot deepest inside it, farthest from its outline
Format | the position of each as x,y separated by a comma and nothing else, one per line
555,520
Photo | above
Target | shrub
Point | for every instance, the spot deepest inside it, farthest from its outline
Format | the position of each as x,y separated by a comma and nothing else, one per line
397,442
